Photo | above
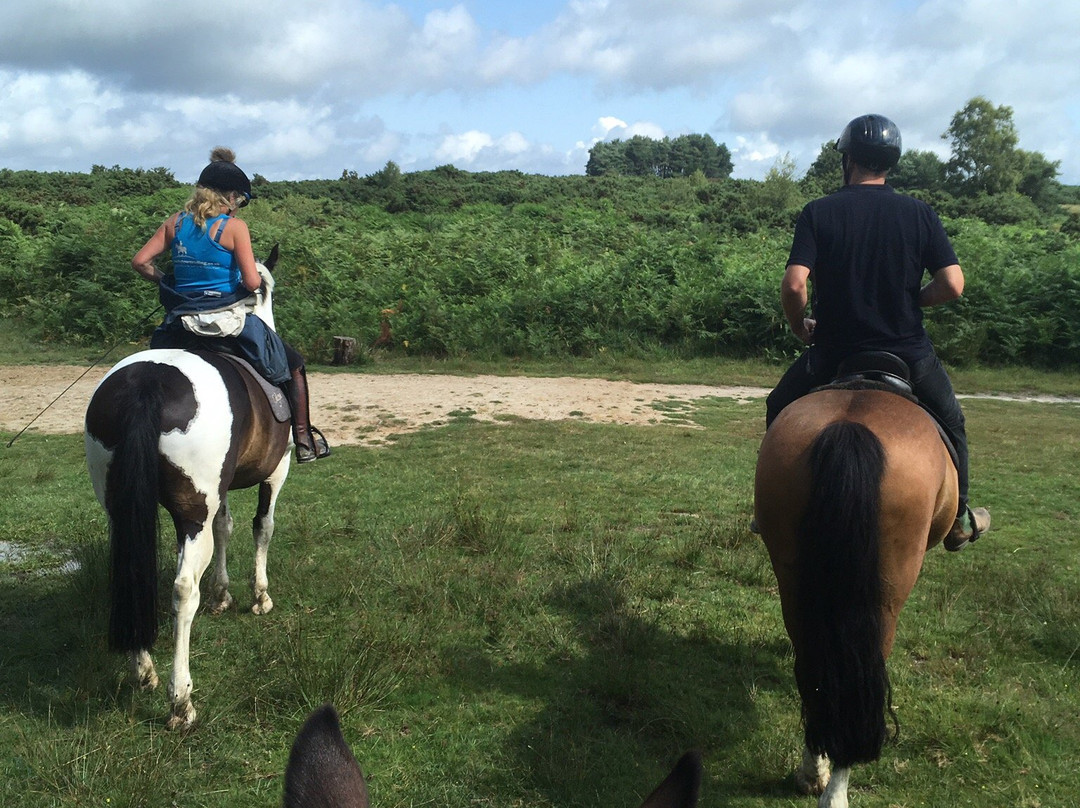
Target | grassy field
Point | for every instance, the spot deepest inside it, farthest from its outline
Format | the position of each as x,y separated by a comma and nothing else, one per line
542,614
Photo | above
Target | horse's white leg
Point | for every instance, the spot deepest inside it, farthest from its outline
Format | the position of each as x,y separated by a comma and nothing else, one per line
220,599
143,675
813,775
835,794
193,560
262,527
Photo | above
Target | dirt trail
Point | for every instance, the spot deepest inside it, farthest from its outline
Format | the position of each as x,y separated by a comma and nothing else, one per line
366,409
363,409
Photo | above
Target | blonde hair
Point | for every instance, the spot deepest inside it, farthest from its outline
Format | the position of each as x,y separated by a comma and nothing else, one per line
205,203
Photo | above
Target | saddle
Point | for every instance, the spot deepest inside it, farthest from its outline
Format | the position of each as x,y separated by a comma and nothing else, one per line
881,370
876,369
275,396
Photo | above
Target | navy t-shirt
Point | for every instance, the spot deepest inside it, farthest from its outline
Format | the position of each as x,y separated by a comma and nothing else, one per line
867,248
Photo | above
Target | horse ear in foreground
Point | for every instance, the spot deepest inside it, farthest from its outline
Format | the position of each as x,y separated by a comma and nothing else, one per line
852,488
322,772
180,428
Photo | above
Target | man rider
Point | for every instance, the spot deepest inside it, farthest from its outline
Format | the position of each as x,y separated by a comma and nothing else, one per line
864,250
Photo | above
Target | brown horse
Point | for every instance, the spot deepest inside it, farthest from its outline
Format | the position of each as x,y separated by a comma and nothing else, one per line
322,772
853,486
181,428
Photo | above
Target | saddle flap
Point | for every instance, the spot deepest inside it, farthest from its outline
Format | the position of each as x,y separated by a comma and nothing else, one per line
275,396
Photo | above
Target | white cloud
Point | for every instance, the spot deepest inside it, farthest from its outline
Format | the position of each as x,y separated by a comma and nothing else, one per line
612,128
381,149
609,122
514,143
754,157
305,86
481,151
463,148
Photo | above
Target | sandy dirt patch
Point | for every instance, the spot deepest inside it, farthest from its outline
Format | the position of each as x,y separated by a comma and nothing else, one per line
363,409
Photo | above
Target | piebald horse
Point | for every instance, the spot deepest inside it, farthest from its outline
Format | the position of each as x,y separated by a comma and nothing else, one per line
852,487
323,772
181,428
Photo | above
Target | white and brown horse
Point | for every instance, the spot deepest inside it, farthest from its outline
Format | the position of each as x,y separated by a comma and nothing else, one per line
852,487
181,428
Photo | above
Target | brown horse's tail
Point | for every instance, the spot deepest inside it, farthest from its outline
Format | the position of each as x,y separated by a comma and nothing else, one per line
132,503
839,664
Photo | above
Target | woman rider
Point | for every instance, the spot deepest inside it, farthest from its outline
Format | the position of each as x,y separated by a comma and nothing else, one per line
208,297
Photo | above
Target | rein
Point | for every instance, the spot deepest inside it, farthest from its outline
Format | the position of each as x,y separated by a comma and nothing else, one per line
79,379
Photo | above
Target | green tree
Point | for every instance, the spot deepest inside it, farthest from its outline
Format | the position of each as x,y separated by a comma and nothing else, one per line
984,154
1038,179
826,173
642,156
690,153
389,176
779,191
918,170
605,158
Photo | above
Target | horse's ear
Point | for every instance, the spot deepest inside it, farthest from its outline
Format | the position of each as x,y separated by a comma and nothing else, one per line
271,259
322,770
681,788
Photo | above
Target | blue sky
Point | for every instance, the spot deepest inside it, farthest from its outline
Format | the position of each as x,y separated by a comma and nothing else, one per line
301,89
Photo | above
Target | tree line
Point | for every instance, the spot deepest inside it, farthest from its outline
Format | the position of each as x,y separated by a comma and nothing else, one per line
671,157
504,264
986,165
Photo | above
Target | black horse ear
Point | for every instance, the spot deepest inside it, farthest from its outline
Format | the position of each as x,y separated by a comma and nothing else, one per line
271,259
322,771
682,786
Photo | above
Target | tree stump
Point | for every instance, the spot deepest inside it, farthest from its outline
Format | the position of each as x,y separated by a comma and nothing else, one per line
344,350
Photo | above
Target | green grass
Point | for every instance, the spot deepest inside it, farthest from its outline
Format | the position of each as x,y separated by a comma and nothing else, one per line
542,614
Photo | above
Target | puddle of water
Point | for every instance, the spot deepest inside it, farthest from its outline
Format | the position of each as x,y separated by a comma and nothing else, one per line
12,553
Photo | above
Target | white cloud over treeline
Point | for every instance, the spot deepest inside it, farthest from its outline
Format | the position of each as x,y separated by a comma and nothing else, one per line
306,89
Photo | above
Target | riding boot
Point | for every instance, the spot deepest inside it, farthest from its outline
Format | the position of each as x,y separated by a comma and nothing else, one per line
968,526
310,443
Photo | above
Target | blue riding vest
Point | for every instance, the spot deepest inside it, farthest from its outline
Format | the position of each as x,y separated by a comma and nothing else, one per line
203,280
200,263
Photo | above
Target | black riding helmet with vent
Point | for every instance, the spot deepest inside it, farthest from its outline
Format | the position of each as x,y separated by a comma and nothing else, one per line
872,141
223,175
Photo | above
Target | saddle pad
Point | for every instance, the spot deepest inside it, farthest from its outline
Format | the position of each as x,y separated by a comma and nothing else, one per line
275,396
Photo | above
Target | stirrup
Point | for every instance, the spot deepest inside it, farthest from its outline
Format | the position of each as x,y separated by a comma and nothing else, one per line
318,450
967,529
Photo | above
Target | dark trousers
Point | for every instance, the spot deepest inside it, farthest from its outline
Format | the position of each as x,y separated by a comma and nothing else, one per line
928,378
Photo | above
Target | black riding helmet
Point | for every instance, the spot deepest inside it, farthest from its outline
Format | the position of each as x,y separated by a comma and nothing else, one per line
872,141
223,175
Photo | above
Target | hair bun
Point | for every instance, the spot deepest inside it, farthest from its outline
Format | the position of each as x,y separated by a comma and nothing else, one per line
220,154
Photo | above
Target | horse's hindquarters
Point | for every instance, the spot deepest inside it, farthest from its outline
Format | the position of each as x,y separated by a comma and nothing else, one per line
850,490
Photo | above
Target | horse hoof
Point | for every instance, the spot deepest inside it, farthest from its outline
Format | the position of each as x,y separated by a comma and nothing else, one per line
142,674
181,719
811,785
262,605
223,605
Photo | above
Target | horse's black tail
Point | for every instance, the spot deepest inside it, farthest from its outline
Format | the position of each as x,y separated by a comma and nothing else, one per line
839,664
132,486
